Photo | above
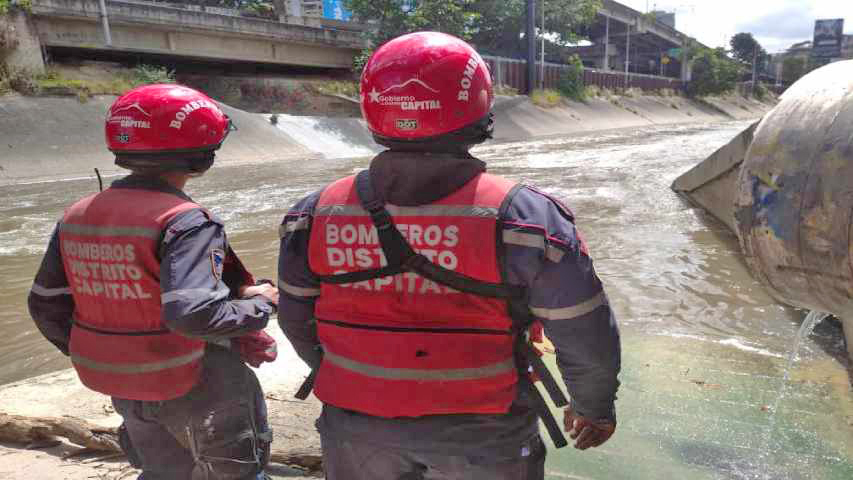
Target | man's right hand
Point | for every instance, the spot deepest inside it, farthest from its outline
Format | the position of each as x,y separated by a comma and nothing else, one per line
270,292
587,432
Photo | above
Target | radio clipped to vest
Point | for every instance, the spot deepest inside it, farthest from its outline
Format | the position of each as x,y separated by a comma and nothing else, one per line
401,258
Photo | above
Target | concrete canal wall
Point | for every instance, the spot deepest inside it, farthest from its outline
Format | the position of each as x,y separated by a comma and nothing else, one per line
43,138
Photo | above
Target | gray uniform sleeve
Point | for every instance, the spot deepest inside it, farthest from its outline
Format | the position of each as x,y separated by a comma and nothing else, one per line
298,289
545,251
50,302
196,302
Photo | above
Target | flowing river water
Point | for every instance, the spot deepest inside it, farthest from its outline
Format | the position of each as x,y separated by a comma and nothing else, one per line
704,346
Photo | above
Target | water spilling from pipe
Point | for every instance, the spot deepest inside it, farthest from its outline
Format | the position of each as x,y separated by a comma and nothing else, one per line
809,323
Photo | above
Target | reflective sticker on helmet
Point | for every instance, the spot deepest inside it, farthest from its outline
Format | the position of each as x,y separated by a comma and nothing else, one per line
188,109
407,124
405,102
467,78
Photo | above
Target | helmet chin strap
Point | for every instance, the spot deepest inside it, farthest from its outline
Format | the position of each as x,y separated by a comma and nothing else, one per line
194,164
457,141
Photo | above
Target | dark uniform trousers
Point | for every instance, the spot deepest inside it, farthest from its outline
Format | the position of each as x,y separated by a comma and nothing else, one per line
218,431
352,460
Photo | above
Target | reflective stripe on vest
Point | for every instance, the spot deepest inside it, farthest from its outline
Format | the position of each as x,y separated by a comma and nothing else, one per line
119,344
137,367
404,345
375,371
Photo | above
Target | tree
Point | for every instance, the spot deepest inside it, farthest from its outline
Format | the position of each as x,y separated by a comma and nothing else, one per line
796,67
747,49
793,68
392,18
495,26
499,25
714,73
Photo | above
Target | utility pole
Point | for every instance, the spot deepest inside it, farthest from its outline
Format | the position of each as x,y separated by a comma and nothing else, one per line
531,46
606,63
628,59
542,31
754,68
105,22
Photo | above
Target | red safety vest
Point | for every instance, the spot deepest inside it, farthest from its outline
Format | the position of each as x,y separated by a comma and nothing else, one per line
119,343
403,345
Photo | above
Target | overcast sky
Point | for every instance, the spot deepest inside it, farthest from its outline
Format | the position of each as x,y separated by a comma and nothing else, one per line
775,23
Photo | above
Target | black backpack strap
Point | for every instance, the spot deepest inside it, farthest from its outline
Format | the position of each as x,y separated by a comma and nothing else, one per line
527,356
402,258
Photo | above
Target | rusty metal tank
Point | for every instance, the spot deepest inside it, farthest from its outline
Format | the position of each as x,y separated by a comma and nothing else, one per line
785,187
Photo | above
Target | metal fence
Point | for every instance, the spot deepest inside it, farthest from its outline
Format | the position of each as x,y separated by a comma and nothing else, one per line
511,72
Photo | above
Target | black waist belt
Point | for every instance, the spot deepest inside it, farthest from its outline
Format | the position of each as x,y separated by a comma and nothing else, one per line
401,257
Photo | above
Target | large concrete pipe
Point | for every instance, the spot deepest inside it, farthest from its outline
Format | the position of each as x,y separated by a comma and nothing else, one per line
789,195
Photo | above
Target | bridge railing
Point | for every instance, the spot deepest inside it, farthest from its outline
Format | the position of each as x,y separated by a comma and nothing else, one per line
511,72
193,16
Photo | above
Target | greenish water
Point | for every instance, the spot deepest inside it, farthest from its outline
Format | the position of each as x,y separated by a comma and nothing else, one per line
704,347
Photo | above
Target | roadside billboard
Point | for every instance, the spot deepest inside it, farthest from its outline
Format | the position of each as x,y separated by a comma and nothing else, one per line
828,37
334,9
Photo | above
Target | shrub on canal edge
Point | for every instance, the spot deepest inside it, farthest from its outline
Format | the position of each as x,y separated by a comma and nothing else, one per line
546,98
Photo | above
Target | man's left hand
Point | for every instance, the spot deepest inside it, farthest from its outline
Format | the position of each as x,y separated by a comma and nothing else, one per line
587,432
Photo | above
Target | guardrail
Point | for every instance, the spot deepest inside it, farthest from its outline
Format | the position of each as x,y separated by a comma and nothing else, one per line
511,72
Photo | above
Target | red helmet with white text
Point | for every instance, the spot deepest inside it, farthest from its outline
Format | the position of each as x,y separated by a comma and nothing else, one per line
157,128
420,87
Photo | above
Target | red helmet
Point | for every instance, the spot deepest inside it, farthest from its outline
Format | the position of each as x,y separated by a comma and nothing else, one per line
161,119
423,85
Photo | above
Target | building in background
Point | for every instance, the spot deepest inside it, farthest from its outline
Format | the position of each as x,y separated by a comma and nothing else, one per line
331,9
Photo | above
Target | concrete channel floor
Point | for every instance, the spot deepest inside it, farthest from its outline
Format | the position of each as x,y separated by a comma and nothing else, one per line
690,408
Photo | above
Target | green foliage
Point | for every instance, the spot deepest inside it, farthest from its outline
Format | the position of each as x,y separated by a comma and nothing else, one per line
359,61
52,82
571,80
499,25
713,74
148,74
347,89
494,26
20,80
505,90
746,48
7,6
760,92
546,98
392,18
794,68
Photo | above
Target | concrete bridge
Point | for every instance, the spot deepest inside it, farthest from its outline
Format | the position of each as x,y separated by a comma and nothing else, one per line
189,31
629,41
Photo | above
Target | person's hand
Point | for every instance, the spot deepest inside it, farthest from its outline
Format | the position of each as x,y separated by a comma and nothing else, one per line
255,348
587,432
270,292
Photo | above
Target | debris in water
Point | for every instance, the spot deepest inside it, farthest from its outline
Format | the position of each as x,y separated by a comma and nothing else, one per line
705,384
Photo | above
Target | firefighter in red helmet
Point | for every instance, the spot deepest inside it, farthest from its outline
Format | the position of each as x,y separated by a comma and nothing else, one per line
414,287
141,289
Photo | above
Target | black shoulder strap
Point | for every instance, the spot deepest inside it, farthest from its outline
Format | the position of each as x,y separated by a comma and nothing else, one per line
401,257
